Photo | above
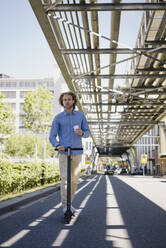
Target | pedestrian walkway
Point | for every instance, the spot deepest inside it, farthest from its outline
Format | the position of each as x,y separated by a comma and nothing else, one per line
112,214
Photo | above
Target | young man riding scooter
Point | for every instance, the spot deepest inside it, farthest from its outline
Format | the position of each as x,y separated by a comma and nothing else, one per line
70,126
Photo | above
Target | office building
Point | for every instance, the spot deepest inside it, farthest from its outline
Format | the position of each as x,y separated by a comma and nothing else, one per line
14,90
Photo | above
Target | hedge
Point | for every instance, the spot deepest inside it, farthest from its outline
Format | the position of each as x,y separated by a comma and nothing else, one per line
16,177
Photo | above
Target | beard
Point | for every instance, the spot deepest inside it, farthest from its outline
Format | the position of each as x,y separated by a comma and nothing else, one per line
68,106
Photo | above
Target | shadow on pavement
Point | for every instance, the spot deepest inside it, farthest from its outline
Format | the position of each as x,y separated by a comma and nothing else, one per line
50,231
41,224
144,220
89,230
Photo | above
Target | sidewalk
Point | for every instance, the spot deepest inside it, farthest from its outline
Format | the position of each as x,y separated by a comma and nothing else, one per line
14,203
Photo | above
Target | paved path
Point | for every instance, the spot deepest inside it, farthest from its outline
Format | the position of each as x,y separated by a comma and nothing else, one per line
114,212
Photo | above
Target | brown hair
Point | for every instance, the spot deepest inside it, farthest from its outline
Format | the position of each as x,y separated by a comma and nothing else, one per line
68,93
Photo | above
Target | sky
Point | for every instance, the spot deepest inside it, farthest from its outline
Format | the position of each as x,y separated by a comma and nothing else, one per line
23,48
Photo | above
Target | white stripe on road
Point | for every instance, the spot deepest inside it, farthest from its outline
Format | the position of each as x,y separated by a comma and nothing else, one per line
44,216
24,232
115,226
84,202
15,238
61,237
51,211
63,233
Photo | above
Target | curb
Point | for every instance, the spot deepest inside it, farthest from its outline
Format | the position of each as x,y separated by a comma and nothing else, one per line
15,203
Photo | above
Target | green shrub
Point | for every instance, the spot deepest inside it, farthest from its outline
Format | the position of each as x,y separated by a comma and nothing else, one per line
16,177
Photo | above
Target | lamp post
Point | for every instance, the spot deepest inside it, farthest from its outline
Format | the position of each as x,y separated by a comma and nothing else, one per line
46,124
45,146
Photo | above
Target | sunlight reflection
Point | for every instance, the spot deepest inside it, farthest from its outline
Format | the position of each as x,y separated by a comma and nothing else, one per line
15,238
51,211
115,231
63,233
84,202
61,237
89,181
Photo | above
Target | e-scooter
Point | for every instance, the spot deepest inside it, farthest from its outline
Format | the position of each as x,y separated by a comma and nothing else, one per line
68,214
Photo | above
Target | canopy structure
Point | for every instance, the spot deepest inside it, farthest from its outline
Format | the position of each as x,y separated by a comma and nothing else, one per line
121,88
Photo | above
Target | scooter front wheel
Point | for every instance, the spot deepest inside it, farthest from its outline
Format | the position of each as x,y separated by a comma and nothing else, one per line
68,215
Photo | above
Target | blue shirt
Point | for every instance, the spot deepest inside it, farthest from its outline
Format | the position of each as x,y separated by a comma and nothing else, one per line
63,127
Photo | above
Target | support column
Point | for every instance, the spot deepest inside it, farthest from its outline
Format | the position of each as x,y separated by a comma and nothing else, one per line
162,169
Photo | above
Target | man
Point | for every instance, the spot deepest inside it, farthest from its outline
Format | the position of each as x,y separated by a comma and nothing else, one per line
70,126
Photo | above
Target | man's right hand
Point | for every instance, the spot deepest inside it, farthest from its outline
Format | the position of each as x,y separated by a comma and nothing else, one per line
61,148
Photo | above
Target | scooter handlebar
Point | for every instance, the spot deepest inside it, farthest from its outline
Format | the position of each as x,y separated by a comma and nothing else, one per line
71,148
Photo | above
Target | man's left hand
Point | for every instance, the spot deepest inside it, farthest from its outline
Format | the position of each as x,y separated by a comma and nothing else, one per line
79,131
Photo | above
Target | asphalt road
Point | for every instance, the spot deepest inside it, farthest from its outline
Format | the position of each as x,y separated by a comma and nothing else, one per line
114,212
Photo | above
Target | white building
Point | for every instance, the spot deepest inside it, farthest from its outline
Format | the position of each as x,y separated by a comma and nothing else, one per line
14,90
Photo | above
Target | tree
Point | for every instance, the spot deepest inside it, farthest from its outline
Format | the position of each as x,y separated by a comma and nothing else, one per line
6,119
38,108
24,146
20,145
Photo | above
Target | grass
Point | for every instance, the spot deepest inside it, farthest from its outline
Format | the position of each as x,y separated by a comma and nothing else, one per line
13,195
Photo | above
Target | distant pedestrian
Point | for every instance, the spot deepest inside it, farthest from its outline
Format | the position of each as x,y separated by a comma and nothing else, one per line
88,170
69,126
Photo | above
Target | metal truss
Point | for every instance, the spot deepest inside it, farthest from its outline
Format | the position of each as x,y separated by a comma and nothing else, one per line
120,107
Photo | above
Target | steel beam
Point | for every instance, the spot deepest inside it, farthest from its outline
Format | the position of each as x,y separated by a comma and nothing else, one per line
163,92
108,7
121,76
147,87
143,145
155,42
46,26
125,104
150,69
108,51
117,120
130,113
123,123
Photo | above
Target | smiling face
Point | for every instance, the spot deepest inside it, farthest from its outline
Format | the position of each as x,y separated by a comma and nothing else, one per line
68,102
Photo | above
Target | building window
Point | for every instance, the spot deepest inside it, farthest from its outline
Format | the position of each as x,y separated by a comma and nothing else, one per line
13,105
9,94
22,122
27,84
21,109
8,84
50,84
23,93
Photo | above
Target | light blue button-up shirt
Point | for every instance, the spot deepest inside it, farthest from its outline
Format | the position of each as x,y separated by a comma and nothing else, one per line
63,128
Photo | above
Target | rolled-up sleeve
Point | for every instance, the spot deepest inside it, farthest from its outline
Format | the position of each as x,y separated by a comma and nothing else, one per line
54,133
85,127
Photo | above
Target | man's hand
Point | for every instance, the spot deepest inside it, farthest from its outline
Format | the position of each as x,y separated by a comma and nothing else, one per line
61,148
79,131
